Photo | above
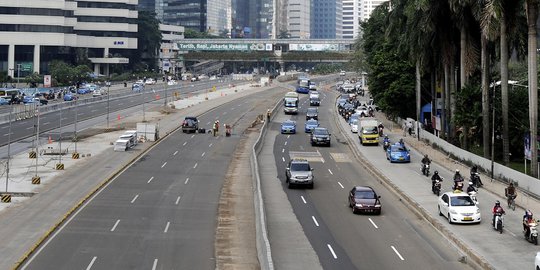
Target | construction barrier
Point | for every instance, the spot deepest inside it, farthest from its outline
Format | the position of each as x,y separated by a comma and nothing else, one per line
75,155
6,198
32,154
36,180
60,166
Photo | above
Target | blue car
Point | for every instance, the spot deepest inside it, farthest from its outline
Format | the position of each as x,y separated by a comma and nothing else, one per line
4,101
398,153
302,90
289,126
28,100
82,91
310,125
69,97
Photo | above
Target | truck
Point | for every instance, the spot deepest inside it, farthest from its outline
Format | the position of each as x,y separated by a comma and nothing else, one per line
290,103
368,131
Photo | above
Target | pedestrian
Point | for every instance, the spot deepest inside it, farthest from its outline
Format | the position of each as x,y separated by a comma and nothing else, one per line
409,127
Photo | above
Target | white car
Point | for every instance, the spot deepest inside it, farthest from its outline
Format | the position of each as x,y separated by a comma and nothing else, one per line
363,111
172,82
312,86
537,261
96,93
458,208
140,82
354,125
150,81
314,94
342,73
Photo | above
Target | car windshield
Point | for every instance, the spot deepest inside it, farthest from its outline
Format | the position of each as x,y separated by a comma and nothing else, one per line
311,123
370,130
364,194
320,131
300,167
398,148
354,121
461,201
288,124
311,111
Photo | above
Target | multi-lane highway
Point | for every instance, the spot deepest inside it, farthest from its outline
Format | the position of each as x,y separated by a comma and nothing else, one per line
160,213
342,240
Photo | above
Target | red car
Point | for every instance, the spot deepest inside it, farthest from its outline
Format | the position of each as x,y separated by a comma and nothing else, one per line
364,199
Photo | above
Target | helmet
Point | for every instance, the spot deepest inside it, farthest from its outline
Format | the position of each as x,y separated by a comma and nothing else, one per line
528,213
436,172
511,184
497,203
457,170
470,183
425,156
386,136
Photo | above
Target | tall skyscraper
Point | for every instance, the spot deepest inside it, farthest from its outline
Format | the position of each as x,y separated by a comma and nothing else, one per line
213,16
351,18
299,18
252,18
367,6
326,19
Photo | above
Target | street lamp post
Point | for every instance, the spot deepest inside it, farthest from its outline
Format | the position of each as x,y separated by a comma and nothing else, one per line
18,73
108,100
493,134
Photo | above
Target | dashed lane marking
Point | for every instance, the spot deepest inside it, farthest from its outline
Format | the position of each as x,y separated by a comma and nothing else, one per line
184,144
163,165
283,150
315,221
304,200
210,145
187,180
176,152
177,200
167,227
195,166
114,226
193,136
91,263
154,266
399,255
150,180
135,198
204,153
330,172
341,185
332,251
373,223
282,158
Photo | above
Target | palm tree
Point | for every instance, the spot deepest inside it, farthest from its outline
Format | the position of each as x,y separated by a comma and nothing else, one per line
531,7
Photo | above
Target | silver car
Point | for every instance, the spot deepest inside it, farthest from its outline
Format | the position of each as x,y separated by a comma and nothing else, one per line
299,172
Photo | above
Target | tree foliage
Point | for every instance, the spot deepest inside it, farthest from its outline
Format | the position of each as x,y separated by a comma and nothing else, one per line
64,74
148,41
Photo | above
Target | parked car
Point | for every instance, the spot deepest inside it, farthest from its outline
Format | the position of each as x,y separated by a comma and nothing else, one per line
96,93
4,101
190,124
29,100
364,199
320,135
310,125
82,91
150,81
398,153
458,208
69,97
140,82
137,87
299,172
288,126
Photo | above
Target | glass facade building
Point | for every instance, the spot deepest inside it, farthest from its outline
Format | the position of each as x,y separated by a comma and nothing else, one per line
326,19
212,16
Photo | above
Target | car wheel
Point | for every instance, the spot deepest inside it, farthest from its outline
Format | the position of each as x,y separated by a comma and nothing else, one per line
311,186
440,213
328,144
449,219
354,211
289,185
379,212
350,204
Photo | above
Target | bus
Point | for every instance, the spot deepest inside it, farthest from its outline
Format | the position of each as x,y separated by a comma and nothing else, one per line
290,103
9,93
303,85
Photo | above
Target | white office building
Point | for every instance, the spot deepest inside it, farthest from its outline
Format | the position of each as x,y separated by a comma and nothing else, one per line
367,7
299,18
351,18
170,61
35,32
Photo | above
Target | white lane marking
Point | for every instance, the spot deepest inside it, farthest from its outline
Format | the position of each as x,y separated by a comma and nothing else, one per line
282,158
283,150
373,223
341,185
115,224
29,128
46,123
192,136
285,142
132,101
511,233
5,127
322,160
80,113
91,263
176,152
208,123
93,111
151,178
232,108
164,164
315,221
224,113
177,200
120,104
210,145
204,153
288,136
330,172
154,266
195,166
184,144
399,255
332,251
304,200
239,105
167,227
135,198
187,180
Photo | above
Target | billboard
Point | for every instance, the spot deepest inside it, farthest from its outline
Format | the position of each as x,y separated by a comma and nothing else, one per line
47,81
224,47
313,47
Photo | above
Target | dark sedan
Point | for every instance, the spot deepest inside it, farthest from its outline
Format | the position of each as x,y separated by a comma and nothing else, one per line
364,199
320,135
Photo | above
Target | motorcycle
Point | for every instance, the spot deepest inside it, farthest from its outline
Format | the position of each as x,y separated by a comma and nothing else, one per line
381,133
425,169
498,224
386,144
533,233
436,189
458,185
472,194
475,178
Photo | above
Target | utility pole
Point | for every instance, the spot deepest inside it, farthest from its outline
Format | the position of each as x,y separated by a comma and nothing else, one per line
9,147
37,143
75,125
108,100
493,134
60,139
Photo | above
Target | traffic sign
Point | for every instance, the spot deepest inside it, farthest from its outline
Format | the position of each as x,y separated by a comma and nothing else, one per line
26,66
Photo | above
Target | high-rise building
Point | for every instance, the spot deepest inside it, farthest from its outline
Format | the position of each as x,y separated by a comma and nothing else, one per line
212,16
35,32
252,18
367,7
351,18
299,18
326,19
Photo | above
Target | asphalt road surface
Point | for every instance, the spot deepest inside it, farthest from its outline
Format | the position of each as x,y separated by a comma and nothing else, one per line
160,213
396,239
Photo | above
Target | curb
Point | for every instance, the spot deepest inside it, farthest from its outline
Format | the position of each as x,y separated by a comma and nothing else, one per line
418,210
99,187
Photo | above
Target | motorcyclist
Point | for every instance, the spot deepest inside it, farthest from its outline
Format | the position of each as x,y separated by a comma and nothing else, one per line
401,142
386,139
381,129
510,192
474,171
457,178
497,208
426,160
370,112
434,178
527,218
471,188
